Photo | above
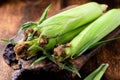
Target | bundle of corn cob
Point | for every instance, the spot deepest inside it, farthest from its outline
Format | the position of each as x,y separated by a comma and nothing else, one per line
67,34
46,34
90,35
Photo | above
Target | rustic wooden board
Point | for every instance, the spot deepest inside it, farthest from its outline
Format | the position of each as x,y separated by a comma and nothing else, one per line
15,12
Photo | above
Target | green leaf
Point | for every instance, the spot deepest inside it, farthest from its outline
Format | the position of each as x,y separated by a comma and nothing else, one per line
44,15
86,47
27,25
33,49
70,67
5,40
67,66
38,60
49,56
98,73
103,42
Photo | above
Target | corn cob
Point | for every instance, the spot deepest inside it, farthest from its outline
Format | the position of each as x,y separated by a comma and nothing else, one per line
68,20
55,26
97,74
71,19
33,47
90,35
63,38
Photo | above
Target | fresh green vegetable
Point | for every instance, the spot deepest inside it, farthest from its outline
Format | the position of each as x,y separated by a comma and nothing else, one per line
67,21
63,38
98,73
92,34
71,19
33,46
69,28
53,29
63,22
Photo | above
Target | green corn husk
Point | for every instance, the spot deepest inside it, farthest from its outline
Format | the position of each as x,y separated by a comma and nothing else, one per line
67,21
34,47
33,25
60,24
44,15
71,19
63,38
98,73
93,33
